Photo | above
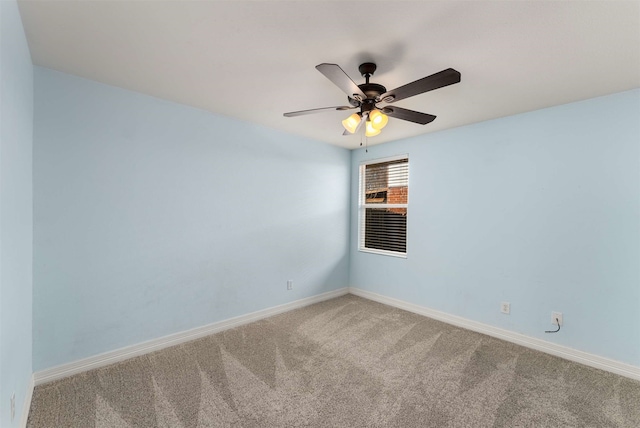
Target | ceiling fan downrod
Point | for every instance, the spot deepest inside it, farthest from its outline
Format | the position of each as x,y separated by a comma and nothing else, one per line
366,70
371,90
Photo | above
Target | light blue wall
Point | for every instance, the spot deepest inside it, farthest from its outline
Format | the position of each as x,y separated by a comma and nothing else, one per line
152,218
539,209
16,202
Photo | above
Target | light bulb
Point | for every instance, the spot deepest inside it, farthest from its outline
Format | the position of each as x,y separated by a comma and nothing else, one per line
370,131
378,119
351,123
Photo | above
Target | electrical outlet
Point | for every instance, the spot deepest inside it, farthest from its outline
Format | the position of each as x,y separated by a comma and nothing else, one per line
556,316
290,284
505,308
13,406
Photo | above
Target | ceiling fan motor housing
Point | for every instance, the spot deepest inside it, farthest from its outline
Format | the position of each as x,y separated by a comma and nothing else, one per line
373,92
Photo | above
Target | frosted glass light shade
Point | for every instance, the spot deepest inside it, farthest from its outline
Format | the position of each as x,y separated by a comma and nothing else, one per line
370,131
378,119
351,123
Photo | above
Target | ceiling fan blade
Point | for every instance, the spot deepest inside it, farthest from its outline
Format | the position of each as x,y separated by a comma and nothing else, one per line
339,78
441,79
316,110
410,115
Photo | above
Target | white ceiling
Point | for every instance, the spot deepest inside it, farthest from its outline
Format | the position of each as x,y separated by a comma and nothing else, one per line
254,60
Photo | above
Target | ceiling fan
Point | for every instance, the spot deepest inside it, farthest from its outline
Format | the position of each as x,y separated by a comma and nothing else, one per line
366,97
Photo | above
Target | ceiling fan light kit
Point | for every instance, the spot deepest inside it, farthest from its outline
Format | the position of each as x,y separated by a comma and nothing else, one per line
367,95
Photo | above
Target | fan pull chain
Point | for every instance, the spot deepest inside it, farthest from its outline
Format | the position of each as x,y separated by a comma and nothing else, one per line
366,141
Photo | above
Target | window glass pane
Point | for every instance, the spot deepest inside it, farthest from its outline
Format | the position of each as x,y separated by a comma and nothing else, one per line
387,182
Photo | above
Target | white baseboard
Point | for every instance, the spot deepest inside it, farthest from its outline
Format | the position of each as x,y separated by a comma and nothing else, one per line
127,352
585,358
26,406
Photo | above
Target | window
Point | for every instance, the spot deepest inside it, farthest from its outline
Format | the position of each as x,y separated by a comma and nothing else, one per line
384,197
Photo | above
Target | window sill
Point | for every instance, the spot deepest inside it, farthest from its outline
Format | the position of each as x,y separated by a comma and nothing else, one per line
383,253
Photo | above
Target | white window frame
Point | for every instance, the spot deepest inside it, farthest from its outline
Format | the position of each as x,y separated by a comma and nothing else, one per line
362,206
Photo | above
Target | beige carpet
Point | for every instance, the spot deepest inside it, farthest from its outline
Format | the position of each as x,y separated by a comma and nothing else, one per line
347,362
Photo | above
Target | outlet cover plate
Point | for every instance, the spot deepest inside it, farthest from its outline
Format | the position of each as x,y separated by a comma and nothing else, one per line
505,308
554,316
